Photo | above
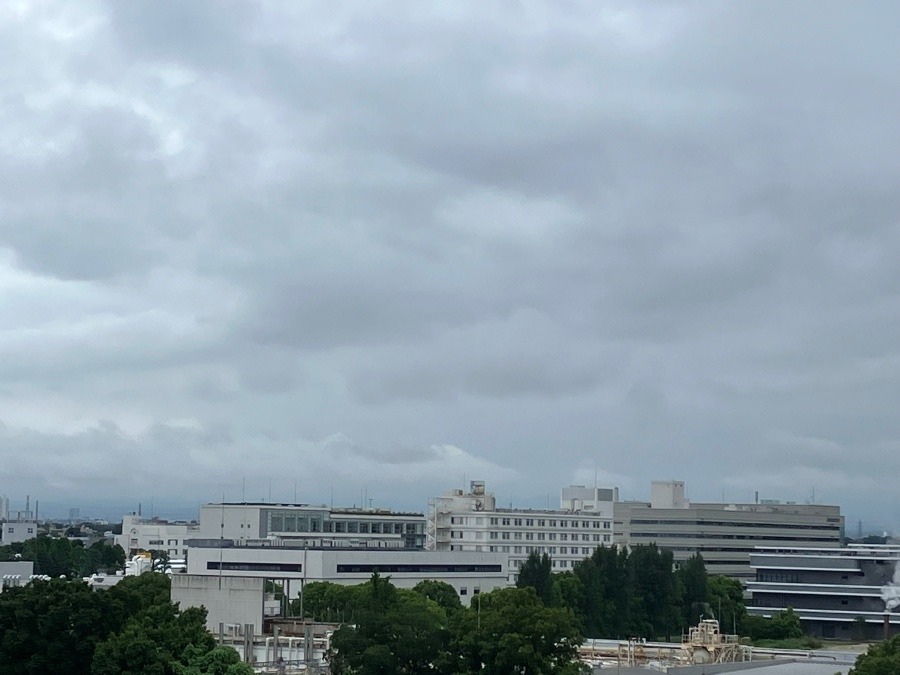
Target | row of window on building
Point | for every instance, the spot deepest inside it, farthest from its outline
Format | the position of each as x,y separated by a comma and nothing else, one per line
531,522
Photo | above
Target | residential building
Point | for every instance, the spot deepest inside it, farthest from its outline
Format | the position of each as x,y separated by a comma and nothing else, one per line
471,521
837,592
154,534
725,534
316,526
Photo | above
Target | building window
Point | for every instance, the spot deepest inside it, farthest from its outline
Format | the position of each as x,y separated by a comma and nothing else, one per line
517,522
517,549
505,535
606,537
493,535
563,550
541,523
506,521
529,522
585,524
518,536
552,536
606,525
529,536
563,536
494,521
463,591
552,523
541,536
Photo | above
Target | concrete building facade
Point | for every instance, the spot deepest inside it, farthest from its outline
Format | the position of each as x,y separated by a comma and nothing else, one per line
470,573
837,593
471,521
153,534
724,534
318,526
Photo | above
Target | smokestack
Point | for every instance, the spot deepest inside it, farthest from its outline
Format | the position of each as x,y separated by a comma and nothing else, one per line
887,625
756,496
35,510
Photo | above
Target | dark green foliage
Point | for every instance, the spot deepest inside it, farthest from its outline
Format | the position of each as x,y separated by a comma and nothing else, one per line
626,594
325,601
692,579
219,661
62,626
506,631
396,631
152,642
536,573
782,626
511,631
440,592
51,627
881,659
725,600
58,556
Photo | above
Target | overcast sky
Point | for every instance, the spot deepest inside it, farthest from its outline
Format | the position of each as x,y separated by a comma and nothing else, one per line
377,249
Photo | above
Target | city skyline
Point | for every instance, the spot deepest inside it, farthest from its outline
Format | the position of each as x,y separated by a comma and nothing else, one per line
385,248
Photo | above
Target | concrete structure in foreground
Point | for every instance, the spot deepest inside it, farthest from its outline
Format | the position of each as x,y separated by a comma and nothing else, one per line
724,534
317,526
469,573
15,573
229,600
472,522
836,592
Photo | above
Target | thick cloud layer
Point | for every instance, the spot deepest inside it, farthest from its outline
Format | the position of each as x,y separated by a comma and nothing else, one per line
378,248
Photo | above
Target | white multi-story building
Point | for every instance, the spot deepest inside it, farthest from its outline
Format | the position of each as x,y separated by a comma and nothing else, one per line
471,521
17,526
314,526
152,534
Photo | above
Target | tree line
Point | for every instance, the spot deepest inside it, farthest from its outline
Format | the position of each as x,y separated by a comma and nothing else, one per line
388,630
62,626
639,592
58,556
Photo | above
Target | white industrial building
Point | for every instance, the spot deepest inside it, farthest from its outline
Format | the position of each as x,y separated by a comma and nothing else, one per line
17,526
724,534
469,573
153,534
316,526
471,521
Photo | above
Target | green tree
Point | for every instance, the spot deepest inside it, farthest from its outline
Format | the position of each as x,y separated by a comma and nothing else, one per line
694,593
510,630
440,592
52,627
536,572
219,661
152,642
881,659
782,626
396,631
725,597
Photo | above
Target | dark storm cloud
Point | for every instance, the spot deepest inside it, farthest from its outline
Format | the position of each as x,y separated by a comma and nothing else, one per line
657,239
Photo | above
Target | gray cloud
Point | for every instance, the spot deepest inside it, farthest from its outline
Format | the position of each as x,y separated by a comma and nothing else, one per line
526,243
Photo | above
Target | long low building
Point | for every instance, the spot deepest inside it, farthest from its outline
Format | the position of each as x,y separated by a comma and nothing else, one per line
469,573
837,593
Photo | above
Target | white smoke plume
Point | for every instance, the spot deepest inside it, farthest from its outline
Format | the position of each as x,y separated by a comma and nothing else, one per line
890,592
